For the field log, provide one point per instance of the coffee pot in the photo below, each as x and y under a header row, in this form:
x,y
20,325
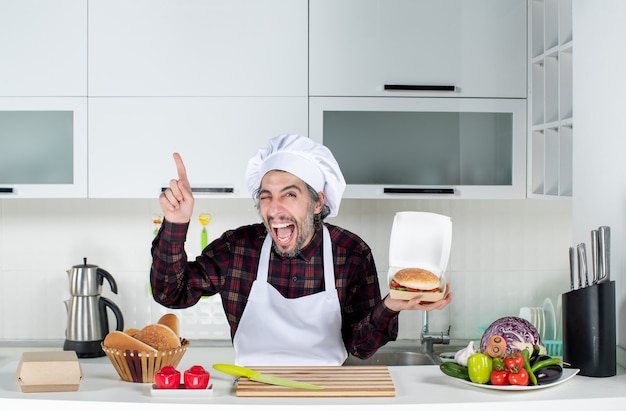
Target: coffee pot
x,y
87,319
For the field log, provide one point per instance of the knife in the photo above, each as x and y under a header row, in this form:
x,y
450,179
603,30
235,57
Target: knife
x,y
595,257
253,375
572,265
582,265
604,242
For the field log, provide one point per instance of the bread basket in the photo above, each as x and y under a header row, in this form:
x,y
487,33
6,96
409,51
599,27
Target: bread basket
x,y
140,366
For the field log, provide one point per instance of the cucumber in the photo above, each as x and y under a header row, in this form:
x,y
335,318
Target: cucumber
x,y
455,370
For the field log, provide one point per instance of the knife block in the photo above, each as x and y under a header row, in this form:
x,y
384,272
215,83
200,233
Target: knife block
x,y
589,335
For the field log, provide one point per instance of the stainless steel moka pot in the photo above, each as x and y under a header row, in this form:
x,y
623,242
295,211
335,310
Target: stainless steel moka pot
x,y
87,320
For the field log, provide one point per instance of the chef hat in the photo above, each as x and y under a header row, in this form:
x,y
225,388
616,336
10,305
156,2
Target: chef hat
x,y
308,160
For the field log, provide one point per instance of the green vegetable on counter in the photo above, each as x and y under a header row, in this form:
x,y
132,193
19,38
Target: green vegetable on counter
x,y
531,374
455,370
479,367
545,363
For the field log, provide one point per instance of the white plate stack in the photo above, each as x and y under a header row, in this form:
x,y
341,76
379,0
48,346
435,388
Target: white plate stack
x,y
536,317
545,320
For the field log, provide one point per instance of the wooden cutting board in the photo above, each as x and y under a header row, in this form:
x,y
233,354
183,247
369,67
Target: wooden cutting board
x,y
340,381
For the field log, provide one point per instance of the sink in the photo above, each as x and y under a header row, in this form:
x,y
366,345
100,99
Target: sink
x,y
393,358
405,354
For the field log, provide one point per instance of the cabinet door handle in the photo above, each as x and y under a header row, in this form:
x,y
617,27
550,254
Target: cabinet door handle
x,y
208,190
420,87
396,190
6,190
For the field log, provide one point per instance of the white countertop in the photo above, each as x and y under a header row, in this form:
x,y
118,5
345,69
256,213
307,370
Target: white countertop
x,y
102,389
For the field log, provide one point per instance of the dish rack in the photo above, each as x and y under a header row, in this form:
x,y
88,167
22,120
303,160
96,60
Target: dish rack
x,y
554,348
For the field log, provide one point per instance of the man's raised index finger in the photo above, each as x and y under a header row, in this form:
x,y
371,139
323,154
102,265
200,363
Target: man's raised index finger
x,y
180,167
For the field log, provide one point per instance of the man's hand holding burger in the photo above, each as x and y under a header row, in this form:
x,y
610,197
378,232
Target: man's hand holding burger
x,y
418,281
417,303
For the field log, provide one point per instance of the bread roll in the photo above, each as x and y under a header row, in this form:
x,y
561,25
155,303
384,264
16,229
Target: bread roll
x,y
122,341
158,336
417,278
131,331
171,320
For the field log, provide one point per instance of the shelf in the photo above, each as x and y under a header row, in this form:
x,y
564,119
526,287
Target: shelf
x,y
537,29
565,21
565,84
537,93
566,161
551,103
551,87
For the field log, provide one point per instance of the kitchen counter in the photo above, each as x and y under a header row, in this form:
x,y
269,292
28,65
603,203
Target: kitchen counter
x,y
102,389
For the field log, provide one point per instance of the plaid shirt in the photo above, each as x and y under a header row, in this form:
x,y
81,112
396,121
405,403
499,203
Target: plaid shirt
x,y
228,266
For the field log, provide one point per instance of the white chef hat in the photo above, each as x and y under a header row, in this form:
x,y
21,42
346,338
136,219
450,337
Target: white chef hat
x,y
308,160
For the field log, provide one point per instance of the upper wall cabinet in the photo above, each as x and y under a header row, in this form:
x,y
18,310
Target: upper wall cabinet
x,y
436,48
198,48
462,148
131,141
43,48
43,147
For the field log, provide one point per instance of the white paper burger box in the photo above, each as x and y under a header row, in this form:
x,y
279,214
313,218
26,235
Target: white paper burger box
x,y
49,371
420,240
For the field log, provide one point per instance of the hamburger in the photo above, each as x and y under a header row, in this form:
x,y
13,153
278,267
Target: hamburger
x,y
415,280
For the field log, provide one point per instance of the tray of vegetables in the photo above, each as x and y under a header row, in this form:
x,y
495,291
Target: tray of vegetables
x,y
511,357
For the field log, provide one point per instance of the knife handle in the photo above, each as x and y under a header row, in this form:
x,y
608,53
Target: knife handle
x,y
236,370
582,263
604,240
595,257
572,267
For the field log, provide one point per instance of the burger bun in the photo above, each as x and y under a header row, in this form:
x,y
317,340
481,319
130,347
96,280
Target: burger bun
x,y
416,282
417,278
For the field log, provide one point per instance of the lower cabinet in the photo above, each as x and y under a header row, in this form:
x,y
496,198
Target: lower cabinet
x,y
131,141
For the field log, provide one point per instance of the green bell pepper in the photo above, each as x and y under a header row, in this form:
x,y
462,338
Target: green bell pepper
x,y
479,366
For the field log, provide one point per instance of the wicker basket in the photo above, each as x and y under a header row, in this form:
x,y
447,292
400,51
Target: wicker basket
x,y
140,366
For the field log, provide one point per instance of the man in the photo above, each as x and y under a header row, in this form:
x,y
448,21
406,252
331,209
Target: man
x,y
296,290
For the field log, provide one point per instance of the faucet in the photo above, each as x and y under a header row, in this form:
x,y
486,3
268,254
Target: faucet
x,y
428,339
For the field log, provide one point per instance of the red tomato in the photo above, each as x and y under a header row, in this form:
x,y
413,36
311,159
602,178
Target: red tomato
x,y
499,377
167,378
514,362
196,377
519,378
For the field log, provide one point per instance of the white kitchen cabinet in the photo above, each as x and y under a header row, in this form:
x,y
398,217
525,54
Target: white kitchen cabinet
x,y
43,147
131,141
478,48
43,47
550,97
198,48
408,148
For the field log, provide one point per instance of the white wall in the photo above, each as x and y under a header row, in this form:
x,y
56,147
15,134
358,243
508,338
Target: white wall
x,y
600,135
505,254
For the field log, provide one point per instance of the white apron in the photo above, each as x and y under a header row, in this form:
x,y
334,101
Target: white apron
x,y
275,330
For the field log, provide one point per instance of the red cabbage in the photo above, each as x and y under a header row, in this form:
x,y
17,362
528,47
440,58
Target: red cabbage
x,y
512,329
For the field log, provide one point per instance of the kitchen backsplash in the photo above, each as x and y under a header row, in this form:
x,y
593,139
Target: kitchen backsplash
x,y
505,254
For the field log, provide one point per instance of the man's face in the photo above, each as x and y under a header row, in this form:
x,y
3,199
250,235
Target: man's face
x,y
287,211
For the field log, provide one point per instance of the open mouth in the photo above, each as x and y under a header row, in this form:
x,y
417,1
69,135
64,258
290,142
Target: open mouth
x,y
283,232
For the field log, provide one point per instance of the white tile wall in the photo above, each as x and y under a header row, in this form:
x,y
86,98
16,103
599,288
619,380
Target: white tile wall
x,y
505,254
